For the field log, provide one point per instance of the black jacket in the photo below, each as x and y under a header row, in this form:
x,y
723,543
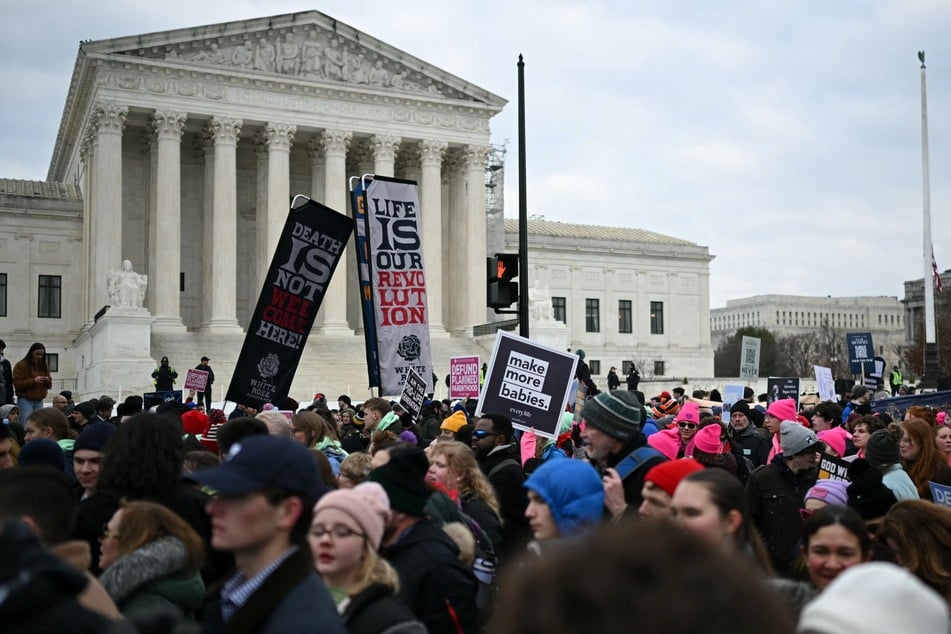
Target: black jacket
x,y
613,381
211,373
433,582
752,443
775,496
508,483
376,609
6,396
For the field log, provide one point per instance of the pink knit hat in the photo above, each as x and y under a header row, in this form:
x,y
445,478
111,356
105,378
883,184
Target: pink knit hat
x,y
783,409
835,439
363,508
666,441
708,439
690,413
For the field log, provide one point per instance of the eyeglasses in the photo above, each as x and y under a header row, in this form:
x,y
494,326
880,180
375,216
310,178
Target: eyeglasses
x,y
336,532
479,434
685,425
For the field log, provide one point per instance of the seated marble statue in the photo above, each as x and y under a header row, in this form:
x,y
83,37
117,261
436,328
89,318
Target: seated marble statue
x,y
126,287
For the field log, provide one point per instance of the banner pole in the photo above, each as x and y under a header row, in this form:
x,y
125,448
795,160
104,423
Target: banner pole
x,y
522,208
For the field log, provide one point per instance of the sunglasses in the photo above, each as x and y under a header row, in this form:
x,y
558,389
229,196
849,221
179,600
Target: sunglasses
x,y
686,425
479,434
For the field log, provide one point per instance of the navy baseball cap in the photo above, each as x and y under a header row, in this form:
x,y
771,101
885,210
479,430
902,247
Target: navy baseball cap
x,y
257,462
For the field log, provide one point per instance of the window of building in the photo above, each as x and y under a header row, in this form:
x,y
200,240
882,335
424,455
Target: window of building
x,y
558,309
50,296
595,366
658,368
52,361
3,294
624,316
625,367
592,315
657,318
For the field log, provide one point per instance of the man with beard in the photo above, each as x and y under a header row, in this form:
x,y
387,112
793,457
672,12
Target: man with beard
x,y
500,460
617,447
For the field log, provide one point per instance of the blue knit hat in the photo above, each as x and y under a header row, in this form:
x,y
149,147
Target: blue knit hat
x,y
574,494
42,451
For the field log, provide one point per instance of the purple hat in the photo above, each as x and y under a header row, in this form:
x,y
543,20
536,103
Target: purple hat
x,y
832,492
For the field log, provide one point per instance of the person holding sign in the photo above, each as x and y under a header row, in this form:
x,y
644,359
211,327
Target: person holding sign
x,y
204,398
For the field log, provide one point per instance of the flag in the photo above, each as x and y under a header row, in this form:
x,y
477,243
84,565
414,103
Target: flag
x,y
934,270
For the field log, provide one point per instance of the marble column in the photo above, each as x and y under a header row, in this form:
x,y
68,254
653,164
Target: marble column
x,y
106,206
85,155
318,167
457,239
384,154
430,202
260,210
278,138
475,311
151,219
207,225
224,226
164,278
332,316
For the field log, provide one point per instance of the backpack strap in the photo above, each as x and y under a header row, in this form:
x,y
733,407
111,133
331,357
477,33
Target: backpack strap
x,y
505,463
642,455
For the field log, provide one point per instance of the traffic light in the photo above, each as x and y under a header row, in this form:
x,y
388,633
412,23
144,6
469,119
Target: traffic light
x,y
502,287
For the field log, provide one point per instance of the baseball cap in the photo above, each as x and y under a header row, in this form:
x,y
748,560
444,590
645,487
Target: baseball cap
x,y
257,462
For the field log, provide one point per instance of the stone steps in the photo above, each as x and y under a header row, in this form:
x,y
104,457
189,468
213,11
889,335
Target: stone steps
x,y
332,364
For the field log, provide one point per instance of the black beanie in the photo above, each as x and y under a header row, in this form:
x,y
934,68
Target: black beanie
x,y
882,448
404,480
742,407
867,494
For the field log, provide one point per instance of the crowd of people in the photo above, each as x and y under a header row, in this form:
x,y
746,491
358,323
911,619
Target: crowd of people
x,y
669,514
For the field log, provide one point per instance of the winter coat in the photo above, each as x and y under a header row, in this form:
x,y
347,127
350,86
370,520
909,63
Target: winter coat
x,y
752,443
775,496
24,383
433,582
164,376
292,599
634,482
376,610
6,393
487,519
76,553
153,578
507,481
897,479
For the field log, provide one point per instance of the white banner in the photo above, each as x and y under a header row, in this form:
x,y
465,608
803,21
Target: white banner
x,y
825,382
399,283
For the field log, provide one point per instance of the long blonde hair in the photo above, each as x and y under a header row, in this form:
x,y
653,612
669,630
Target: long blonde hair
x,y
373,569
462,462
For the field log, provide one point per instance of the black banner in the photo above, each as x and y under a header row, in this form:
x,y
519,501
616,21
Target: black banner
x,y
305,259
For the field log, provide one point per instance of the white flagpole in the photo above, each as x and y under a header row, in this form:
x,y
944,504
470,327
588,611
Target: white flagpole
x,y
930,349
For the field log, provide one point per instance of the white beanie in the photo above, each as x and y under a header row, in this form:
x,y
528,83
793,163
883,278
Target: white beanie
x,y
875,598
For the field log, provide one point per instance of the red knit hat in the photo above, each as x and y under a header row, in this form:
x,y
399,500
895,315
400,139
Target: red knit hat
x,y
195,422
668,475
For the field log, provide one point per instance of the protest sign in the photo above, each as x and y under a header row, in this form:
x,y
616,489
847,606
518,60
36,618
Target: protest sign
x,y
861,352
731,394
151,399
940,493
832,468
825,382
464,377
749,358
778,387
528,383
196,380
413,394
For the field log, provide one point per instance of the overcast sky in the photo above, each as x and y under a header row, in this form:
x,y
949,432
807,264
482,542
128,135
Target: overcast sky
x,y
785,135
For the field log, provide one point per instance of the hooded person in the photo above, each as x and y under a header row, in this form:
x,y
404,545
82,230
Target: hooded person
x,y
615,445
565,500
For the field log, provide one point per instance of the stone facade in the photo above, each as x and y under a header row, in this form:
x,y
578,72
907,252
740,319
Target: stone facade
x,y
785,315
183,149
617,277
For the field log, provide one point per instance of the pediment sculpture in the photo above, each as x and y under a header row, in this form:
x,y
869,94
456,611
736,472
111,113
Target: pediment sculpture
x,y
315,54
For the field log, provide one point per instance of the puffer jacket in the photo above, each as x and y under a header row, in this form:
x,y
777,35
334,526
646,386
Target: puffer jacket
x,y
152,578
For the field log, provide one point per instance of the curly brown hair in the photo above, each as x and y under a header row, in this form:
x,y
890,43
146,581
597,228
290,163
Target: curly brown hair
x,y
918,532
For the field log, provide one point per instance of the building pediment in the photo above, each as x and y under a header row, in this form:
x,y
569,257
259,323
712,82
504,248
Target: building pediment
x,y
307,46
